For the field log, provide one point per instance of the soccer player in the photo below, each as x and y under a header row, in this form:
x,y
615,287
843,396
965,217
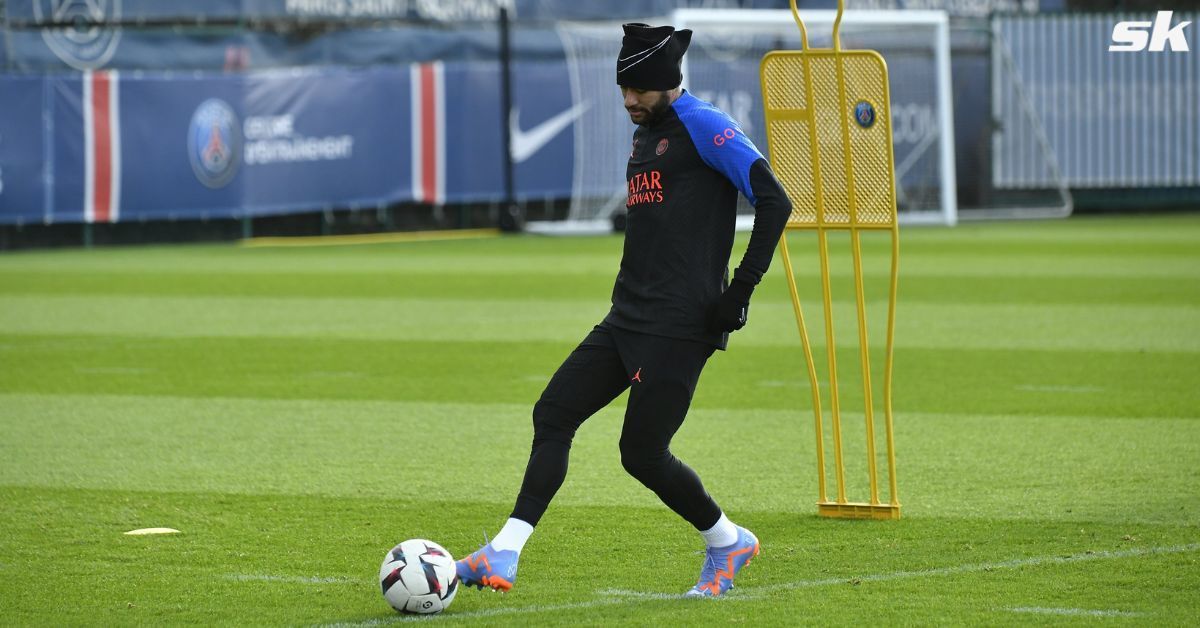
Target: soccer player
x,y
672,306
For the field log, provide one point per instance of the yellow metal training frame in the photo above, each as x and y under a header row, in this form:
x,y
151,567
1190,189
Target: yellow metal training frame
x,y
829,136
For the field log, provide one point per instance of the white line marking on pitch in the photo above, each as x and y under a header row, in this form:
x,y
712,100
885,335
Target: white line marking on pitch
x,y
242,577
1062,389
335,374
110,370
619,596
1072,611
490,612
946,571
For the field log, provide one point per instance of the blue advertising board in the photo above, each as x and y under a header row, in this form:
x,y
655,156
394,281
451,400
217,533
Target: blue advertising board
x,y
117,146
23,154
120,146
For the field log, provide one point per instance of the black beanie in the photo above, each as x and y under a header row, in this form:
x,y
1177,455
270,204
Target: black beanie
x,y
650,57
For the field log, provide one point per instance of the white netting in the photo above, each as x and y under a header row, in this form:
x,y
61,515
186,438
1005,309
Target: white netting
x,y
603,133
721,66
1026,180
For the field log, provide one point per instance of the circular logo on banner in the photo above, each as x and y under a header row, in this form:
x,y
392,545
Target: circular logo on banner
x,y
214,143
79,36
864,114
662,147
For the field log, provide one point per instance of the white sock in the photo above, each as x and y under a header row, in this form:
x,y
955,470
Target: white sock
x,y
723,534
512,536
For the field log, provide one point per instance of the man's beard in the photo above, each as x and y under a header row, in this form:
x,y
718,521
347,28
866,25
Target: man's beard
x,y
656,111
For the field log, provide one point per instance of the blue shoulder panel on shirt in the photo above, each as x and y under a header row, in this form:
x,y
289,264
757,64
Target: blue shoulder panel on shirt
x,y
719,140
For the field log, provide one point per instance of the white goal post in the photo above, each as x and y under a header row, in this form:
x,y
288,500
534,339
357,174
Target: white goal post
x,y
722,66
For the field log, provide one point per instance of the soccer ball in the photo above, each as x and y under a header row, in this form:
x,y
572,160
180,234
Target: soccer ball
x,y
418,576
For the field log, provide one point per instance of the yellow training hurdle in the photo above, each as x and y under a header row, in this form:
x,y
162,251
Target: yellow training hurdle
x,y
829,137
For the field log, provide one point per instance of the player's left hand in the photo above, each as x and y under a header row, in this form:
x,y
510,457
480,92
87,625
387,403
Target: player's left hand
x,y
732,308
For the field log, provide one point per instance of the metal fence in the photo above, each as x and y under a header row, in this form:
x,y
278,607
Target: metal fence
x,y
1113,119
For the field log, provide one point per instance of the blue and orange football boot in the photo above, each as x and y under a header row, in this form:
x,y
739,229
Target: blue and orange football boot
x,y
489,568
721,564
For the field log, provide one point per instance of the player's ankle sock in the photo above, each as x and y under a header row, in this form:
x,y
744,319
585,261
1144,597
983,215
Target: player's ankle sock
x,y
514,534
723,534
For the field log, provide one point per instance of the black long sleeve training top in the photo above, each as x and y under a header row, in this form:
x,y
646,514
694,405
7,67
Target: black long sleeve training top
x,y
684,175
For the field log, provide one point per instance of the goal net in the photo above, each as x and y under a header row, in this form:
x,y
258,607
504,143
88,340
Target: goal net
x,y
1025,180
721,66
603,132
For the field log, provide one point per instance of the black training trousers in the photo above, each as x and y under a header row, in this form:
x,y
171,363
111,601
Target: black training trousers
x,y
661,374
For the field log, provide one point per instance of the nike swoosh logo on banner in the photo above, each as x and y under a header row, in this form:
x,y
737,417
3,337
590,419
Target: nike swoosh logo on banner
x,y
526,143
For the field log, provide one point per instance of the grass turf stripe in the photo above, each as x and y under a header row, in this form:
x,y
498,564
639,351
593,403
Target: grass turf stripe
x,y
370,238
950,326
608,597
1000,381
1072,612
950,465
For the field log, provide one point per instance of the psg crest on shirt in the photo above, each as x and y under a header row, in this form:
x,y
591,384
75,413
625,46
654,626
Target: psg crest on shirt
x,y
214,143
864,114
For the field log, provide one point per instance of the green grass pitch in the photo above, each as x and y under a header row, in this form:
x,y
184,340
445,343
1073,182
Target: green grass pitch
x,y
297,411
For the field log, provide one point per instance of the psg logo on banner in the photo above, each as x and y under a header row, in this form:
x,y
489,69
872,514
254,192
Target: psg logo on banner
x,y
214,143
80,37
864,114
